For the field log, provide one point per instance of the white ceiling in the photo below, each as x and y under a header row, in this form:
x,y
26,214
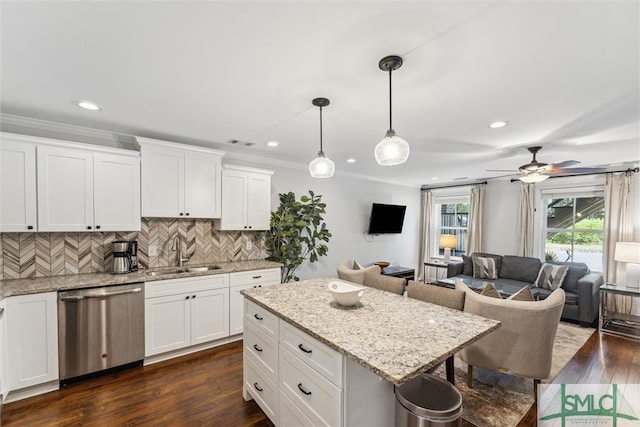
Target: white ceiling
x,y
565,74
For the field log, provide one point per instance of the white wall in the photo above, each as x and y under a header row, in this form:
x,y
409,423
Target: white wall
x,y
500,216
349,202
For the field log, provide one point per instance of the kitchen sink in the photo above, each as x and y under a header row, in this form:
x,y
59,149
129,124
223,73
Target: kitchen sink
x,y
168,270
178,270
203,268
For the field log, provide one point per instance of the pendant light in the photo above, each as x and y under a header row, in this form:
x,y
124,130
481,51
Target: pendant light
x,y
392,150
321,166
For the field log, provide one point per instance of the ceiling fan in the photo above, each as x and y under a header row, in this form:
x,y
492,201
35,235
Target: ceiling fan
x,y
536,171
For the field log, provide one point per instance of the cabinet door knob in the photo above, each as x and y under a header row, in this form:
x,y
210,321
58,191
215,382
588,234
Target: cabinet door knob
x,y
257,347
187,213
180,214
187,297
257,387
97,227
302,389
301,347
193,296
88,227
256,277
29,227
249,226
258,317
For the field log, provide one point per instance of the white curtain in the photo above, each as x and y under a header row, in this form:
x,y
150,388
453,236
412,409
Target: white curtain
x,y
618,227
524,244
474,227
425,230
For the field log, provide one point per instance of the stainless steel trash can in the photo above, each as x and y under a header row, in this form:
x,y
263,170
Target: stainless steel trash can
x,y
428,401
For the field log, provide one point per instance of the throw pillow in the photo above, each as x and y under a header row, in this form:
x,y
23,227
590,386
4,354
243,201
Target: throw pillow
x,y
523,294
484,268
490,291
467,265
551,276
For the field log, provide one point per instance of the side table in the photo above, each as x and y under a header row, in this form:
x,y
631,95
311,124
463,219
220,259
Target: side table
x,y
404,272
614,322
439,266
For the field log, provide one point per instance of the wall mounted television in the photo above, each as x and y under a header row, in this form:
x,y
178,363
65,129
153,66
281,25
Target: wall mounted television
x,y
386,219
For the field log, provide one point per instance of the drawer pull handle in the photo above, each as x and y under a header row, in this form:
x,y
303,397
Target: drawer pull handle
x,y
308,393
301,347
256,277
258,317
257,387
257,347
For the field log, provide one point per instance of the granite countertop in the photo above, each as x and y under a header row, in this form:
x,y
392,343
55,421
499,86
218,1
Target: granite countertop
x,y
76,281
396,337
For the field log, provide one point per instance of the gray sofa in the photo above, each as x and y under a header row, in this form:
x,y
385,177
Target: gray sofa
x,y
581,287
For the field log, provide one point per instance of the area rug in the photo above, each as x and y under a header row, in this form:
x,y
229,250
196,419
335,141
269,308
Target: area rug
x,y
500,400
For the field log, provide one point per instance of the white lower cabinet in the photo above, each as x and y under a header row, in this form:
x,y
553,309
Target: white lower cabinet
x,y
184,312
316,385
31,344
246,280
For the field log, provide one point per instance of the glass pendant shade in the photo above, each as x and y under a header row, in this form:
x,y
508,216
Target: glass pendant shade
x,y
533,177
322,167
392,150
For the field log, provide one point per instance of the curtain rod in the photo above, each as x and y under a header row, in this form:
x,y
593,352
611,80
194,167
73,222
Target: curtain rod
x,y
425,187
634,170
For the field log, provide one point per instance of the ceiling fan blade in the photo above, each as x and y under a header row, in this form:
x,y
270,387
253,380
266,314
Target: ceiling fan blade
x,y
565,164
576,171
501,170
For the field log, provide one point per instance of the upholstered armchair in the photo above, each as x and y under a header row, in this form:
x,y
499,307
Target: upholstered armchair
x,y
523,345
374,278
351,271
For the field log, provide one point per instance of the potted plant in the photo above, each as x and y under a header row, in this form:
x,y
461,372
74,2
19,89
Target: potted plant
x,y
297,232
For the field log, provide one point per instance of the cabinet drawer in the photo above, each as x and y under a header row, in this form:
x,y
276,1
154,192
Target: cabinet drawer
x,y
267,276
262,389
312,393
262,350
290,414
188,284
319,356
262,318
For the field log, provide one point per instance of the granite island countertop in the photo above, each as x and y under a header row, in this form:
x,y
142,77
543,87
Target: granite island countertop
x,y
396,337
87,280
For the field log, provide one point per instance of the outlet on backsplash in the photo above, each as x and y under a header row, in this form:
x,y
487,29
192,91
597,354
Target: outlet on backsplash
x,y
153,250
248,245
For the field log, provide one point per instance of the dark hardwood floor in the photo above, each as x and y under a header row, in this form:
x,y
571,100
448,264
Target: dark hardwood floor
x,y
204,389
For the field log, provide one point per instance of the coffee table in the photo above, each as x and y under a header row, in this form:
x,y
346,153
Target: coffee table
x,y
479,284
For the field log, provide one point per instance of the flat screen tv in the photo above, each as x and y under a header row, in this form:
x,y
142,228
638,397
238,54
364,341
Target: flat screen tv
x,y
386,219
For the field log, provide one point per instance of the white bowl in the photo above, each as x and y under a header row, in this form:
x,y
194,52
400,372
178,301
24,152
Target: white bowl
x,y
345,294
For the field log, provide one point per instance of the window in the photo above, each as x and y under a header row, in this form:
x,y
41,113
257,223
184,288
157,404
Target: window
x,y
452,214
574,230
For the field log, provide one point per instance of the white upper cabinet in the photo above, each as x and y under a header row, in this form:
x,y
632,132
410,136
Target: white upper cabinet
x,y
17,184
246,198
179,180
86,189
53,185
116,192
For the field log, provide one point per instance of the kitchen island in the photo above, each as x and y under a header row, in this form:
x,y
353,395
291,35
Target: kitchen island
x,y
310,361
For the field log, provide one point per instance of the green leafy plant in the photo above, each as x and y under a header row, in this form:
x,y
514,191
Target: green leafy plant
x,y
550,256
297,232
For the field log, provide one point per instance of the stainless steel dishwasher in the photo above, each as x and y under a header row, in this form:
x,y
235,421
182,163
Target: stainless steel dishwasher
x,y
100,328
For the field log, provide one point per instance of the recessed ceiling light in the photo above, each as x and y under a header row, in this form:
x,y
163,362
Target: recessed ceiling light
x,y
499,124
88,105
434,178
273,143
351,160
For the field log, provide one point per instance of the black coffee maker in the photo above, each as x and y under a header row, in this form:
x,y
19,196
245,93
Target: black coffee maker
x,y
125,256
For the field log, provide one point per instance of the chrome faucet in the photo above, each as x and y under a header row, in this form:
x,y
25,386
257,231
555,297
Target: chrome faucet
x,y
177,246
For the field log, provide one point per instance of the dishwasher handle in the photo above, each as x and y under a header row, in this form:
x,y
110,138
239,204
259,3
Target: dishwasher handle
x,y
99,294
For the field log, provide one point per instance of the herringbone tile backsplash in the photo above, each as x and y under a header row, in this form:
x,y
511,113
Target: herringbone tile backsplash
x,y
27,255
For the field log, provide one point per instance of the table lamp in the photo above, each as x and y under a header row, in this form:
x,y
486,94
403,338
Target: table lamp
x,y
629,252
448,242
